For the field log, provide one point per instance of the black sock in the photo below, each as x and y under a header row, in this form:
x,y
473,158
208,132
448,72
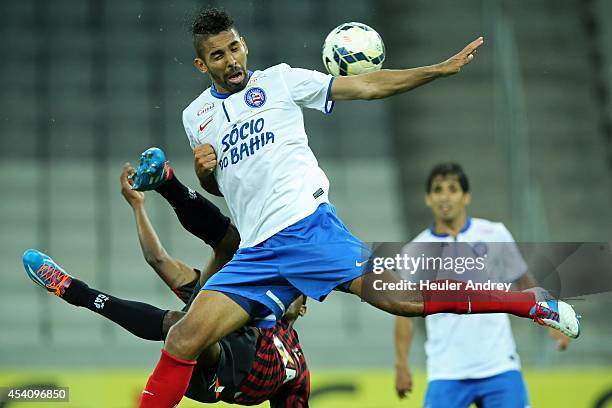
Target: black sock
x,y
196,214
140,319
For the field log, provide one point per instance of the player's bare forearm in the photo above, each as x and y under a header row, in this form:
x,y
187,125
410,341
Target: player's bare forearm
x,y
227,247
173,272
381,84
385,83
403,340
151,247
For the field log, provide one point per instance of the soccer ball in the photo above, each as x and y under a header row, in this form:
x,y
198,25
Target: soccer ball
x,y
353,49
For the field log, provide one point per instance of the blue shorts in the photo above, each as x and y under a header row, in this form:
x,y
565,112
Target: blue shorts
x,y
505,390
311,257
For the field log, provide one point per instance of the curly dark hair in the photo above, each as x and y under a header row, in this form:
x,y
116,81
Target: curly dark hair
x,y
209,21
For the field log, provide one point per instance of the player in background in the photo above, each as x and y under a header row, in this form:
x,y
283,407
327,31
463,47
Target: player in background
x,y
470,359
247,132
246,367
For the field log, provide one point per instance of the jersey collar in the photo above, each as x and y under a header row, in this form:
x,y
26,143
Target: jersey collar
x,y
466,226
223,95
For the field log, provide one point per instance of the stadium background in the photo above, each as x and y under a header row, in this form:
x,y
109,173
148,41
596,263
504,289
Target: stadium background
x,y
88,85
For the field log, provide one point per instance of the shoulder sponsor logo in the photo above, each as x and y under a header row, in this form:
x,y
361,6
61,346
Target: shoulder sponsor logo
x,y
254,79
206,108
255,97
204,124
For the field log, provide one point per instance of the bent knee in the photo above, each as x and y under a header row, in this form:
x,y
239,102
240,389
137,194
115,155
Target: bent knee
x,y
170,319
185,343
408,309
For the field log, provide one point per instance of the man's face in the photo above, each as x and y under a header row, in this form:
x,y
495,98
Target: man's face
x,y
224,58
447,199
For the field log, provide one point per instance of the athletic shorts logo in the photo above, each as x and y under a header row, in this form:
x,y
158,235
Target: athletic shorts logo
x,y
255,97
360,264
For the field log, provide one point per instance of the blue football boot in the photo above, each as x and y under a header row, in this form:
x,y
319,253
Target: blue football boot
x,y
45,272
152,171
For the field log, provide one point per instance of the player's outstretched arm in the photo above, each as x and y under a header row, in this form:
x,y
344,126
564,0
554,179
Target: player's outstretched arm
x,y
172,271
387,82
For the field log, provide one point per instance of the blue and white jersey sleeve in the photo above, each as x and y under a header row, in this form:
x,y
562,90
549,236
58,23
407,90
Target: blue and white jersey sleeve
x,y
192,140
308,88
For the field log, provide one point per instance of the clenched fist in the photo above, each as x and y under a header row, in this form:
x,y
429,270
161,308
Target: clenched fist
x,y
205,160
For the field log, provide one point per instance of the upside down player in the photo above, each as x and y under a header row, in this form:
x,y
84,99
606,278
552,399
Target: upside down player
x,y
247,132
246,367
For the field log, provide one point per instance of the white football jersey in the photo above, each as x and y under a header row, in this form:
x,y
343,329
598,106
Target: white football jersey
x,y
265,169
474,346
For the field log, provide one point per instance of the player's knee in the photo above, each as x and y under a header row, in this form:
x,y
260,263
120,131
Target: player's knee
x,y
184,342
170,319
408,309
399,307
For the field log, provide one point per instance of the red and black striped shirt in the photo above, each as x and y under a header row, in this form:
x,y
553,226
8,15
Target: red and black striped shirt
x,y
255,365
279,372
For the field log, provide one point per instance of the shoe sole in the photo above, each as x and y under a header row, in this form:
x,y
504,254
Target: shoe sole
x,y
152,181
567,314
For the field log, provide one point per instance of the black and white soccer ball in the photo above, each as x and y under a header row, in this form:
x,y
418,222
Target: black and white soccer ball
x,y
353,49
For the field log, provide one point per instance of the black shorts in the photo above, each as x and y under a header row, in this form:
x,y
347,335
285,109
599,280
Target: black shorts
x,y
220,381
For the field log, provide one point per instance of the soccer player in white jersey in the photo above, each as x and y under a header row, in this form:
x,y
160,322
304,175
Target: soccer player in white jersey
x,y
470,359
247,132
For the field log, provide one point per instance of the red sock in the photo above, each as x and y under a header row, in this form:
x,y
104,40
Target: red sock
x,y
470,301
168,383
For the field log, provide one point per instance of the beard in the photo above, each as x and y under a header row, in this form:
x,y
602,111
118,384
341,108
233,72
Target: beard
x,y
234,80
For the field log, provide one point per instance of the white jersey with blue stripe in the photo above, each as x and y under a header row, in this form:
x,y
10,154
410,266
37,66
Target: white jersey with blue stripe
x,y
265,169
474,346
